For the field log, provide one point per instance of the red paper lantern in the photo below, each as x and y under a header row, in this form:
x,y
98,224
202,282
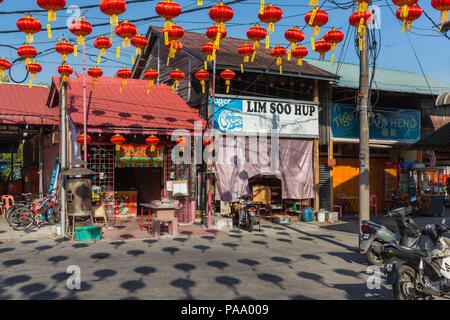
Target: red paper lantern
x,y
362,5
299,53
124,74
257,33
80,140
102,43
181,141
65,71
334,37
27,52
316,19
443,6
322,47
210,50
52,6
64,49
227,75
118,140
126,31
213,31
151,75
81,28
294,35
95,73
113,8
404,6
140,42
30,26
4,65
278,52
270,15
220,14
33,68
414,13
202,76
152,141
360,21
176,75
246,51
168,10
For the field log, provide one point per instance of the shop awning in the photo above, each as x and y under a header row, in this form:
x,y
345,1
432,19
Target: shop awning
x,y
108,109
438,140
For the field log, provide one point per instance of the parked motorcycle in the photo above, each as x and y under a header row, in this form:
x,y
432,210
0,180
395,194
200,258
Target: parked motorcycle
x,y
420,274
374,235
246,211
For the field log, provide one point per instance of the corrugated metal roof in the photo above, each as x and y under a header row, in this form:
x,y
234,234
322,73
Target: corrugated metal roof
x,y
228,56
133,108
21,104
438,140
385,79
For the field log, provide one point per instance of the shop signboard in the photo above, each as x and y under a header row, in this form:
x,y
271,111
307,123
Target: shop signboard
x,y
140,153
384,124
255,115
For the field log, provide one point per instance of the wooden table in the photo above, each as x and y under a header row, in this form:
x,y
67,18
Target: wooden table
x,y
159,214
347,202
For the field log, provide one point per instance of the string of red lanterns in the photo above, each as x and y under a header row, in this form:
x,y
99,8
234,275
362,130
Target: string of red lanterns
x,y
27,52
4,65
220,13
202,76
168,10
113,8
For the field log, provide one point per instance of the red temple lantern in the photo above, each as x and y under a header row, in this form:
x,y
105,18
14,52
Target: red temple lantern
x,y
362,5
278,52
80,140
64,49
270,15
113,8
65,71
227,75
174,47
124,74
404,6
322,47
175,32
117,140
181,141
126,31
316,19
202,76
33,68
246,51
299,53
294,35
140,42
213,31
52,6
360,20
210,50
27,52
168,10
176,75
4,65
257,33
220,14
81,28
443,6
151,75
414,13
102,43
334,37
152,141
30,26
95,73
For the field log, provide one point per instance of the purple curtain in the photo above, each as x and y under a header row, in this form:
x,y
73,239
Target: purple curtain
x,y
241,158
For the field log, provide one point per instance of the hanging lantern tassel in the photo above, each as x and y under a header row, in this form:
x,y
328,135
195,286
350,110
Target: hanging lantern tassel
x,y
64,57
270,27
99,59
313,45
227,83
124,83
261,8
299,62
94,82
118,145
49,31
242,68
202,82
176,83
267,42
118,52
150,84
444,15
333,46
404,12
51,16
199,2
138,51
313,3
80,40
361,28
362,7
126,43
256,45
206,65
253,56
75,51
360,44
404,26
316,31
112,33
30,38
289,55
332,59
132,60
166,38
313,16
217,41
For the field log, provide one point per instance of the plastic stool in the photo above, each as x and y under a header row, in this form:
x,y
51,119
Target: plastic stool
x,y
7,202
373,203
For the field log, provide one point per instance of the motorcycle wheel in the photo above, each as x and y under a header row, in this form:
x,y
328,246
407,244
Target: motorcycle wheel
x,y
250,225
373,257
404,287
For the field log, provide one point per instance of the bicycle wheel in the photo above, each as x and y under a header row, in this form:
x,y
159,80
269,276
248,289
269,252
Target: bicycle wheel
x,y
10,211
53,215
22,219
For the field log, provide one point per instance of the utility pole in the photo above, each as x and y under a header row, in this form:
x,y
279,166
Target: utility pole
x,y
84,106
363,103
63,158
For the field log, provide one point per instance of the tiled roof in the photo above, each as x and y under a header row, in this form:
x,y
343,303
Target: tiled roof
x,y
21,104
131,109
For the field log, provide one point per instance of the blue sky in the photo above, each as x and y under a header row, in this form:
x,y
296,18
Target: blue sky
x,y
396,51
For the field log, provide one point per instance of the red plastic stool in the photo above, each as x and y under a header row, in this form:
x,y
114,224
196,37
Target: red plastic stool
x,y
7,202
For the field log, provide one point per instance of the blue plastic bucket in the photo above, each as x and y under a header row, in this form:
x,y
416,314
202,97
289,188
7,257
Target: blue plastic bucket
x,y
307,215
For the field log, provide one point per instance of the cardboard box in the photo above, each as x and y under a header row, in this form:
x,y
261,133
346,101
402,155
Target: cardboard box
x,y
331,216
282,219
261,194
224,208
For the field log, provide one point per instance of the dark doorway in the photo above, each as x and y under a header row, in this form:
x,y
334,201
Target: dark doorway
x,y
146,181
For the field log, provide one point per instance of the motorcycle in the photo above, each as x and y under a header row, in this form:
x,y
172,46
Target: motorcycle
x,y
246,212
417,274
374,235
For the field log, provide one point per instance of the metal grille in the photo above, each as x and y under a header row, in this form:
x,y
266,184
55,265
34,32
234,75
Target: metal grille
x,y
324,187
101,161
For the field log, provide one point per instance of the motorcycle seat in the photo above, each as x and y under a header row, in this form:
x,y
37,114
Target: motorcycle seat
x,y
418,252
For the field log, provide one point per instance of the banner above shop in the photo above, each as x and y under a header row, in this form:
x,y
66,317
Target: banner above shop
x,y
254,115
140,153
401,125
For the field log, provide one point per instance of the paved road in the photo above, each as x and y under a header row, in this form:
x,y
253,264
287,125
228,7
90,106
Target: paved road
x,y
299,261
